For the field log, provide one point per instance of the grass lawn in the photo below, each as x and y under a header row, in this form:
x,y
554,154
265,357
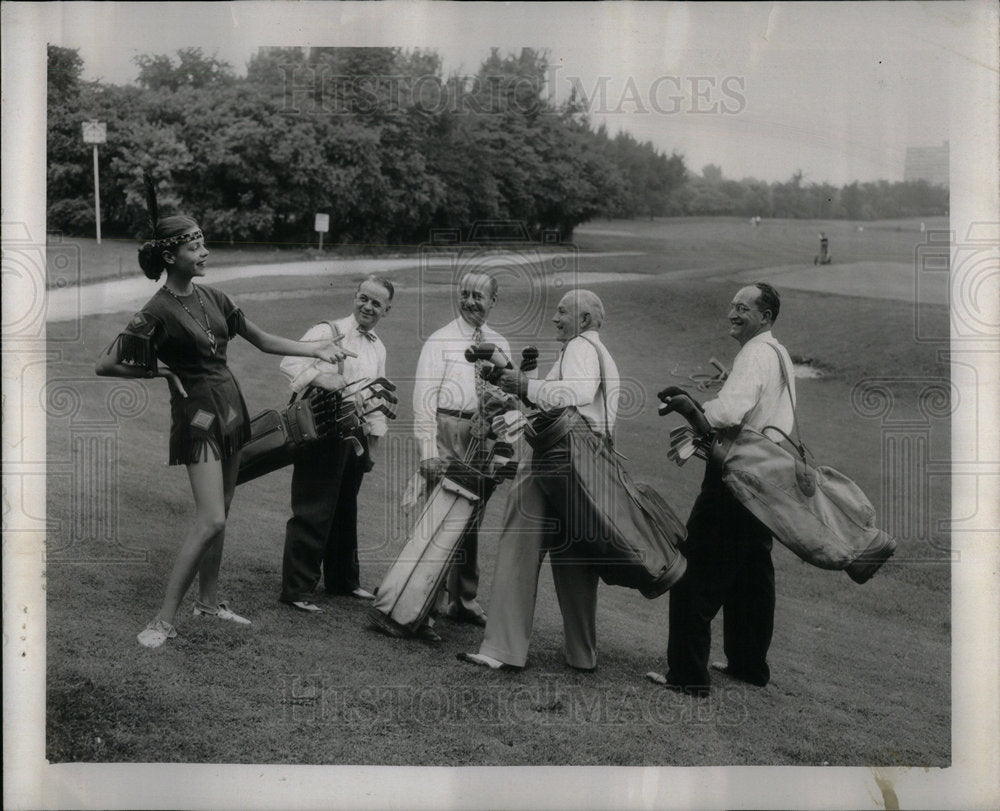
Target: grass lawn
x,y
861,674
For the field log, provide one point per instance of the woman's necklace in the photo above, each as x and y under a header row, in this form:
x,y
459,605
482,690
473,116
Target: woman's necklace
x,y
207,327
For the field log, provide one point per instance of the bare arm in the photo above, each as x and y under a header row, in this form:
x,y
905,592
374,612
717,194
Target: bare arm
x,y
276,345
109,366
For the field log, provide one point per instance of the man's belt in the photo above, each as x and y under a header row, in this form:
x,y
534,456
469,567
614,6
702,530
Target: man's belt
x,y
453,412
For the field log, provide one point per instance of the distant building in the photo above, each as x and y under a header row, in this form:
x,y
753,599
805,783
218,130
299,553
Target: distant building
x,y
928,163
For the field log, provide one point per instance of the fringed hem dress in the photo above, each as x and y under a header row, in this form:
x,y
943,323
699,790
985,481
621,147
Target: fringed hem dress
x,y
212,422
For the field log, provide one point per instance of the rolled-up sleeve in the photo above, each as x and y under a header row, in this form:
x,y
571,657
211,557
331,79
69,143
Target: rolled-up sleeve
x,y
580,379
740,393
302,371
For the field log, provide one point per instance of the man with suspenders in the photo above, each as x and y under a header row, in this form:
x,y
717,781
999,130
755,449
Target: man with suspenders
x,y
322,532
544,512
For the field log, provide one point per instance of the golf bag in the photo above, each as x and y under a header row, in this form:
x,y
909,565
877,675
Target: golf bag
x,y
634,534
817,512
276,436
406,594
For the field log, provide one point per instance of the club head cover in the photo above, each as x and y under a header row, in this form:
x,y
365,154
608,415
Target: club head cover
x,y
670,391
529,359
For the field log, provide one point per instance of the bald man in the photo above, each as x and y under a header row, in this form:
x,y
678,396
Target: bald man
x,y
544,511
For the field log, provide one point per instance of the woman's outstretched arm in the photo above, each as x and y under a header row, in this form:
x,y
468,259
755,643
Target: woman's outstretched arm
x,y
328,350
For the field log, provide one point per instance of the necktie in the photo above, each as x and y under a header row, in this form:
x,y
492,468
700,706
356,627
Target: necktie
x,y
479,426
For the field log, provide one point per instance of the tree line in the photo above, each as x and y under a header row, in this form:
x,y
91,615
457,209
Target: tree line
x,y
386,144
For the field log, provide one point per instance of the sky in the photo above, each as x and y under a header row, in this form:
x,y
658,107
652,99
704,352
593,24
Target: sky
x,y
835,90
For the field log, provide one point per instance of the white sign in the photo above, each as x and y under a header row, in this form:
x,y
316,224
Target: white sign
x,y
95,132
322,223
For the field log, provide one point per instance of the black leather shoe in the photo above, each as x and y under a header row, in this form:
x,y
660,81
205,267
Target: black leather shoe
x,y
722,667
471,618
385,624
428,634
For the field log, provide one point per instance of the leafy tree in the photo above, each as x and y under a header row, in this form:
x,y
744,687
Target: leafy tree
x,y
192,69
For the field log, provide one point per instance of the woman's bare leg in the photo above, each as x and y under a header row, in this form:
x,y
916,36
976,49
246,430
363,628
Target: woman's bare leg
x,y
207,484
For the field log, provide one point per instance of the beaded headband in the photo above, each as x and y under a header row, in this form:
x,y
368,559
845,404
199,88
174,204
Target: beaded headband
x,y
180,239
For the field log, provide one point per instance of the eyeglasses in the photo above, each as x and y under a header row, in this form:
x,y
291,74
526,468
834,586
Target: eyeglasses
x,y
742,309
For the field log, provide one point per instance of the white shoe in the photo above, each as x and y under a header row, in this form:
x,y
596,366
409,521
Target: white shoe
x,y
362,594
156,633
304,605
482,660
222,612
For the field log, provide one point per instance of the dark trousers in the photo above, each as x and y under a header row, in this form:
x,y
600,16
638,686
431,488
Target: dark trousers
x,y
729,567
323,529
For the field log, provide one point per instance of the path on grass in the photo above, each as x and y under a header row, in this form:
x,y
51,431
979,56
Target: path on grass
x,y
126,295
880,280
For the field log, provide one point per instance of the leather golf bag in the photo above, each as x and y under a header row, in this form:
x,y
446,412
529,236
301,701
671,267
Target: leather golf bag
x,y
406,594
632,534
276,436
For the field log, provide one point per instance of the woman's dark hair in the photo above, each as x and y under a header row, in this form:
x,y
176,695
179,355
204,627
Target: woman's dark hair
x,y
167,234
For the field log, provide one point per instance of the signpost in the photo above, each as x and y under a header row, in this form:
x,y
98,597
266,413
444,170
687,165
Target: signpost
x,y
96,132
322,226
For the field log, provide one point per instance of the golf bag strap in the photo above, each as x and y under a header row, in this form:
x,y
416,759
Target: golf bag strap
x,y
604,389
725,437
798,444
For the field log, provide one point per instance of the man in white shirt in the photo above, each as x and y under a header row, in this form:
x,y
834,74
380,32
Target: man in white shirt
x,y
728,550
544,513
447,404
322,531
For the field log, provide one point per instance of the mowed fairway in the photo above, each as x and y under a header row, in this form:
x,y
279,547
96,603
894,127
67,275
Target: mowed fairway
x,y
861,673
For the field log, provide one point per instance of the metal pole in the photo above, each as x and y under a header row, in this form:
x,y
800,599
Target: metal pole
x,y
97,196
321,240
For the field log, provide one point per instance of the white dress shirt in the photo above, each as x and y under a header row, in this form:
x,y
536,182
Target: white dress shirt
x,y
445,379
575,380
755,388
368,365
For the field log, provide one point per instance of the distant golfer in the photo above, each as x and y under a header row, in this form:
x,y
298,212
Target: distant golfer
x,y
824,257
728,550
323,529
181,334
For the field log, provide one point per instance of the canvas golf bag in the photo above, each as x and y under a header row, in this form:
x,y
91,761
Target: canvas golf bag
x,y
407,592
817,512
